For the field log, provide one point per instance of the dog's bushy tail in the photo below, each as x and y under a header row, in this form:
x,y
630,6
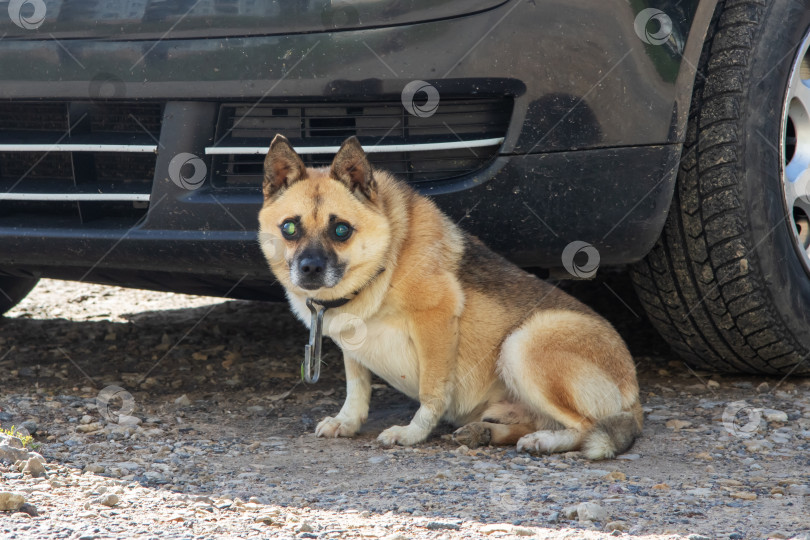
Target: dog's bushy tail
x,y
614,434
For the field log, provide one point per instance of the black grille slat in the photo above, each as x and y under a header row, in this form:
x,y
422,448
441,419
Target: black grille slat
x,y
127,118
125,168
78,172
244,170
16,166
36,116
383,123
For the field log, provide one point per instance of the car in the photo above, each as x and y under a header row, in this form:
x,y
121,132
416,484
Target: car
x,y
669,136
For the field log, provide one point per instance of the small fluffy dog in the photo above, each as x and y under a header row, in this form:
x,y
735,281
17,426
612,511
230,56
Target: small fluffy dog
x,y
476,340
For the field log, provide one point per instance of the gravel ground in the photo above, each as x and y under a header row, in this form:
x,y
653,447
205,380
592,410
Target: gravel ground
x,y
171,416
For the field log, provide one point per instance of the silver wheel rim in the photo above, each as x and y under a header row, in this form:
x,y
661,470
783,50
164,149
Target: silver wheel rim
x,y
795,146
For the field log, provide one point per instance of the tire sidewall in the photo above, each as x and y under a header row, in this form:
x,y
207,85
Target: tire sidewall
x,y
782,30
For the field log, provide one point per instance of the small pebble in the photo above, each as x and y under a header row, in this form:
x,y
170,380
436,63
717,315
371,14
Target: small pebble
x,y
11,501
616,526
34,467
107,500
678,425
30,426
772,415
442,525
89,428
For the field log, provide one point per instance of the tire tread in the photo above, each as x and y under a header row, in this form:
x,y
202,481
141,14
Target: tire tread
x,y
696,284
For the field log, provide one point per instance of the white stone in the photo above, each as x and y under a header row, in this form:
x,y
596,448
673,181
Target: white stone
x,y
34,467
772,415
590,511
11,502
798,490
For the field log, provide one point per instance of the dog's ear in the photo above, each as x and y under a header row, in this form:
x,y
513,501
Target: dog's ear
x,y
351,167
282,167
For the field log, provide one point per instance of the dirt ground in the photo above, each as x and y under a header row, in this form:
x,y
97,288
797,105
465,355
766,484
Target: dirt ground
x,y
171,416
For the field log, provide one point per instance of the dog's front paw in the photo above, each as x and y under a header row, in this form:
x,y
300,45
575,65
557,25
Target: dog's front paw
x,y
337,427
404,435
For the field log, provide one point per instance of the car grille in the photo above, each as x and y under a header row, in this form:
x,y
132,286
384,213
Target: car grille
x,y
462,136
82,160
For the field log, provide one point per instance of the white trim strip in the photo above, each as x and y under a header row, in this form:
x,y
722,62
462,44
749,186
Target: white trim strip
x,y
140,148
134,197
478,143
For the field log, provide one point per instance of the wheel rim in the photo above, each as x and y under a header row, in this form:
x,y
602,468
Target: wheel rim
x,y
795,146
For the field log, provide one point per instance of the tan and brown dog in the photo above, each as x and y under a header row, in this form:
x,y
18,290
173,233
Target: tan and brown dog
x,y
446,321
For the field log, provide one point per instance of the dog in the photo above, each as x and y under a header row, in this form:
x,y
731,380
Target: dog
x,y
476,340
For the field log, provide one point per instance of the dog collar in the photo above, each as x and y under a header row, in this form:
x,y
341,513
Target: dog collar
x,y
311,368
330,304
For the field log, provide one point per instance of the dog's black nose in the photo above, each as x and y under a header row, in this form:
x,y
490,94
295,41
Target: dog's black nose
x,y
312,265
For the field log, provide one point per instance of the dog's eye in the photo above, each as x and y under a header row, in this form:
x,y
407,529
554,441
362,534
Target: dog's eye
x,y
289,229
342,231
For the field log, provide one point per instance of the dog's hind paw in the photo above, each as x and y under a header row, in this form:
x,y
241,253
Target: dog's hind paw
x,y
473,435
335,427
547,442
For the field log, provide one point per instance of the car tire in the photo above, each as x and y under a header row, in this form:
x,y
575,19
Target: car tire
x,y
728,282
14,289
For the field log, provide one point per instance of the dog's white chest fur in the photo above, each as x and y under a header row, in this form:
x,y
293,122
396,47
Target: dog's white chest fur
x,y
388,352
378,343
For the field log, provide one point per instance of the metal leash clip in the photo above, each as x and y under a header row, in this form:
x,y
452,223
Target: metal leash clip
x,y
311,368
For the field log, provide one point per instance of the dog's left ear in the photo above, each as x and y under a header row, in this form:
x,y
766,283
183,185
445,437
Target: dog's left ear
x,y
282,167
351,167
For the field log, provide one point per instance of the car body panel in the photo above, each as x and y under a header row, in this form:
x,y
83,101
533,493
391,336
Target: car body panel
x,y
591,151
185,19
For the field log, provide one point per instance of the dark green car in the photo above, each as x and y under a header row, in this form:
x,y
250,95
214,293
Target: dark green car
x,y
673,136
